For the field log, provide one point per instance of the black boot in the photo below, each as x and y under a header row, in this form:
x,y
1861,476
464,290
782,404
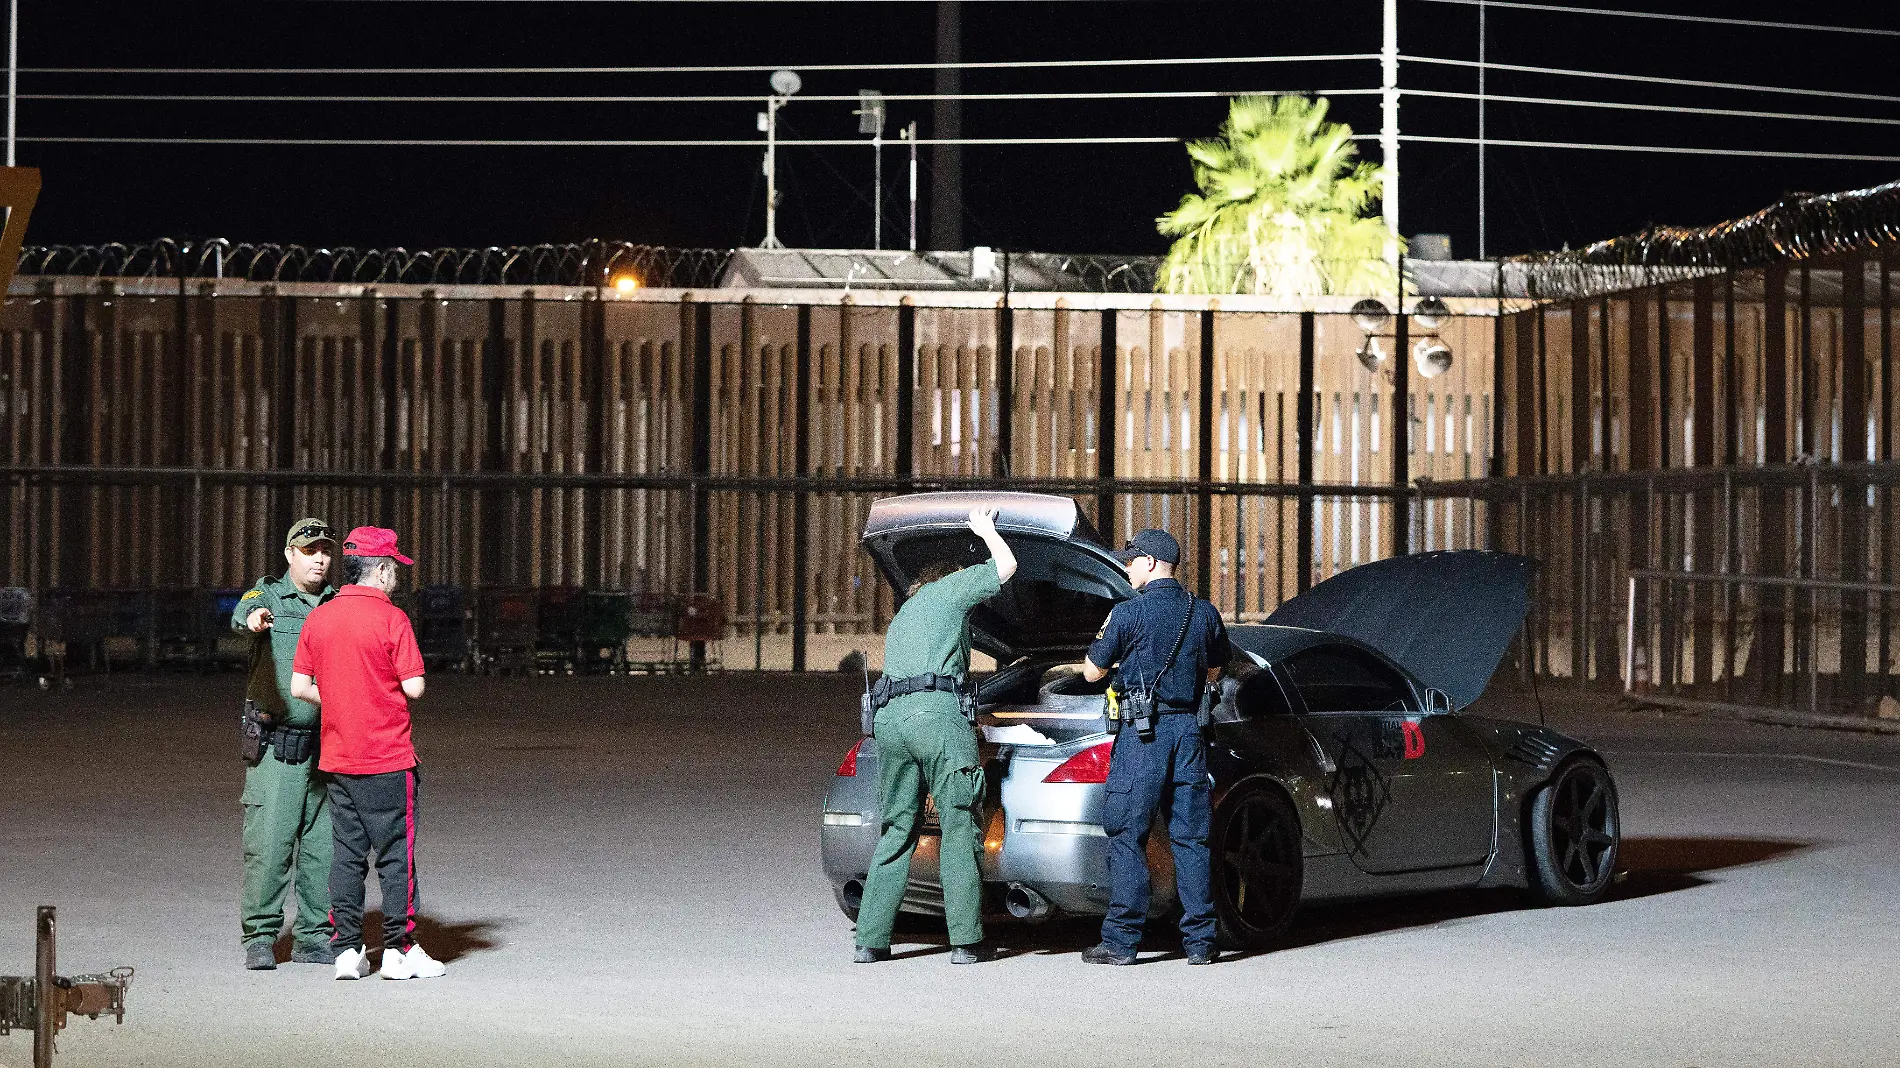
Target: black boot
x,y
975,953
260,956
1103,953
870,955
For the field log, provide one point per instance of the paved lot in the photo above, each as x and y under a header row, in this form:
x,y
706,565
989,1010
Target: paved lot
x,y
624,872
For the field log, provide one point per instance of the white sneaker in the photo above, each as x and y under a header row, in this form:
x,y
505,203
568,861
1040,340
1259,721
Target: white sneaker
x,y
415,964
352,964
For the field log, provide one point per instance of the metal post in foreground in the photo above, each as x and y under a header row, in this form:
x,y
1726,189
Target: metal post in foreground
x,y
13,72
42,1003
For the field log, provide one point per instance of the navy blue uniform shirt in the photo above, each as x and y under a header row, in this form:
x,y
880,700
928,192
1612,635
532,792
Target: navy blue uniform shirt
x,y
1140,631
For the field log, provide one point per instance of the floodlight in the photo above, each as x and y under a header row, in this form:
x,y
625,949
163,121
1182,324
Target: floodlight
x,y
1431,313
1370,316
870,111
1433,357
786,82
626,283
1370,354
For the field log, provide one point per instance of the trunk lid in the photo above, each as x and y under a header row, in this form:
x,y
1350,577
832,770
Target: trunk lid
x,y
1066,579
1447,617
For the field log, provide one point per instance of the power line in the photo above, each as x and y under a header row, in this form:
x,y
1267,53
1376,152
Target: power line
x,y
1709,19
754,98
603,143
1019,64
1652,79
1617,105
1670,149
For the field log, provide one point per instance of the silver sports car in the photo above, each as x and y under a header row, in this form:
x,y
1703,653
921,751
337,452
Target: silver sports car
x,y
1342,763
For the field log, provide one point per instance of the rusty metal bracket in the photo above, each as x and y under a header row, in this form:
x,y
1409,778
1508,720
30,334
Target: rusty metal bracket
x,y
41,1004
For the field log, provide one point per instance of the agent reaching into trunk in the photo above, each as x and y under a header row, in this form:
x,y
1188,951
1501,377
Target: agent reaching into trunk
x,y
925,741
358,659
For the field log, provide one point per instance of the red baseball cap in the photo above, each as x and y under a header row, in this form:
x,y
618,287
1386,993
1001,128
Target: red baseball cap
x,y
373,541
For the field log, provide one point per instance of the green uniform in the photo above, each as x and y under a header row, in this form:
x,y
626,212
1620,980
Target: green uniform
x,y
923,742
286,807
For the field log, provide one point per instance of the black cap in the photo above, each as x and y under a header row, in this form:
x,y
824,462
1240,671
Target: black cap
x,y
1156,543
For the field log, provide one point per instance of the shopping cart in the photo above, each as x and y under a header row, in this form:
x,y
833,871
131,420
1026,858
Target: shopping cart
x,y
224,647
650,625
558,624
442,626
606,624
72,626
506,626
16,618
180,629
702,618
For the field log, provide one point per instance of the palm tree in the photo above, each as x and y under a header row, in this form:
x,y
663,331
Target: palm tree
x,y
1284,208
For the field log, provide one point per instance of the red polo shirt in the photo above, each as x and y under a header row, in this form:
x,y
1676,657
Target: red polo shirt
x,y
359,648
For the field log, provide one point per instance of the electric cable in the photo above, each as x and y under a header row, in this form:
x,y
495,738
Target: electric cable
x,y
291,98
476,142
1739,113
750,68
1670,149
1708,19
1650,79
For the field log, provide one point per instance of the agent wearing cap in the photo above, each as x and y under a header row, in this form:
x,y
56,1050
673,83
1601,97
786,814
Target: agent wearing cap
x,y
286,808
1169,643
359,660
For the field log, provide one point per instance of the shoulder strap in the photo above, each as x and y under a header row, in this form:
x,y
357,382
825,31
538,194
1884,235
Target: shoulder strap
x,y
1178,639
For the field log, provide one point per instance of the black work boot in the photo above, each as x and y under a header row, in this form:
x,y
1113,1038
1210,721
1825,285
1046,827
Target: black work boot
x,y
1103,953
974,953
1207,955
260,956
871,954
320,953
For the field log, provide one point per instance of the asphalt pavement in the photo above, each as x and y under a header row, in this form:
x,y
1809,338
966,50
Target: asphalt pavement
x,y
625,872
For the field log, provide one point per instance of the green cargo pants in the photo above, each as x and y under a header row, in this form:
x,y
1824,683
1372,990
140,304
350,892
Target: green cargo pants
x,y
915,749
286,826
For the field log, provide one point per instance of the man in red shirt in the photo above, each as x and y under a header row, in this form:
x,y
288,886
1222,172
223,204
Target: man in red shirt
x,y
357,658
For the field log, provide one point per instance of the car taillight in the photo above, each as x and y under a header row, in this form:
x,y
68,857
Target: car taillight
x,y
1090,765
848,768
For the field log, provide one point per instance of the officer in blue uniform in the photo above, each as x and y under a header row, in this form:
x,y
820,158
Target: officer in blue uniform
x,y
1167,645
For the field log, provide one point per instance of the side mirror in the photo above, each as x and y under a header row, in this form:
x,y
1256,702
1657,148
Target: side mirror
x,y
1437,702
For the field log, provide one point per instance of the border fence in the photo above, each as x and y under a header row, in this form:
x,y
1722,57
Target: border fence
x,y
159,433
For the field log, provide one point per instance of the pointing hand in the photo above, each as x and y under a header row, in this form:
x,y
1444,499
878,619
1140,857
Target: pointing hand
x,y
260,620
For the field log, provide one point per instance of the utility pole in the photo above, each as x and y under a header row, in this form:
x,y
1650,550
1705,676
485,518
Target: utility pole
x,y
1481,187
946,160
909,133
13,71
871,120
1389,129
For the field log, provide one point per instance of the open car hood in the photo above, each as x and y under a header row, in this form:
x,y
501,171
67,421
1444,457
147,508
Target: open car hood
x,y
1066,580
1446,617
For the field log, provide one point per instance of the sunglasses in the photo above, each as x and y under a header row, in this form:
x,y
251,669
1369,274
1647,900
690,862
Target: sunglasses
x,y
313,530
314,548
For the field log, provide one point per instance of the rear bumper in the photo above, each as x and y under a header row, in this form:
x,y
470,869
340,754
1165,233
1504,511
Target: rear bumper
x,y
1066,862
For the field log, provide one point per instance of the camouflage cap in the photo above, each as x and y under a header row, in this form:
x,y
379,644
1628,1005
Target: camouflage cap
x,y
308,532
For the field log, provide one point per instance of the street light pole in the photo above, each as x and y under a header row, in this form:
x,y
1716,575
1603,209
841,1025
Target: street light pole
x,y
771,174
1389,129
910,134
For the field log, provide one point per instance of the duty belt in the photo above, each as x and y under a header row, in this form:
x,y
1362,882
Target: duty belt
x,y
292,745
886,689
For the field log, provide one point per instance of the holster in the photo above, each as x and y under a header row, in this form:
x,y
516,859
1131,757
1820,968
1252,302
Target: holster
x,y
251,734
1140,709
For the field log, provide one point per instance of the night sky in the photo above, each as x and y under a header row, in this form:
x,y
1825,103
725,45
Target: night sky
x,y
1068,198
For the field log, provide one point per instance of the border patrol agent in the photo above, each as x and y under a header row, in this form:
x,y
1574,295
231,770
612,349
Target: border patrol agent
x,y
1166,646
925,740
286,813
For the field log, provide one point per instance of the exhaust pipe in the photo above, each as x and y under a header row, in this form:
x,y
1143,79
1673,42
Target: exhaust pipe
x,y
1027,905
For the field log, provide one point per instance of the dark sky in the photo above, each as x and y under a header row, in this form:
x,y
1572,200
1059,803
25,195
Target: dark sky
x,y
1068,198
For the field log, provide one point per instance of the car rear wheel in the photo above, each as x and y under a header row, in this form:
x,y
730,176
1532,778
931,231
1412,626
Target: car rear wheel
x,y
1256,871
1575,832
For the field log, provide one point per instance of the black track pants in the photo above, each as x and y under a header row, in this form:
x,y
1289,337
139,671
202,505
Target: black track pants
x,y
374,813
